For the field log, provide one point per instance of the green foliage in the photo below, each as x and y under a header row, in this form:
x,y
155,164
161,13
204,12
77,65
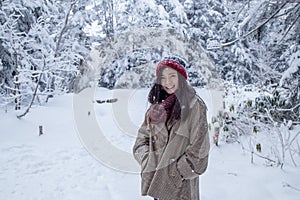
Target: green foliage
x,y
255,129
231,109
273,107
258,147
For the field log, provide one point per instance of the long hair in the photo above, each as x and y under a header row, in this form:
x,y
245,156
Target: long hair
x,y
184,94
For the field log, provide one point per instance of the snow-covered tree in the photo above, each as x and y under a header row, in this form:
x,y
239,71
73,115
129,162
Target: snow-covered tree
x,y
43,42
254,40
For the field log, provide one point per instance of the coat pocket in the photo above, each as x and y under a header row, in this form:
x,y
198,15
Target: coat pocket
x,y
174,173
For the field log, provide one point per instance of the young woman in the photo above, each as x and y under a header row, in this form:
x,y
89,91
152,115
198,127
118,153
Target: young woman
x,y
172,145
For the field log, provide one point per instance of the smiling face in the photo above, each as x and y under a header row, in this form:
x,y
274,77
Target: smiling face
x,y
169,80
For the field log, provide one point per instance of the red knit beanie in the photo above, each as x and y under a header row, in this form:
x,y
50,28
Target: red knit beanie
x,y
174,63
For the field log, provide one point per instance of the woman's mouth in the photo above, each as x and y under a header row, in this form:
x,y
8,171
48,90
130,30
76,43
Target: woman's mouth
x,y
169,88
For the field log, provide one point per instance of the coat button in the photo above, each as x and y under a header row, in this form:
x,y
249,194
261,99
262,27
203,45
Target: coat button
x,y
154,137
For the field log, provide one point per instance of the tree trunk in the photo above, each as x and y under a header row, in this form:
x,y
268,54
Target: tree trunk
x,y
17,84
34,94
58,44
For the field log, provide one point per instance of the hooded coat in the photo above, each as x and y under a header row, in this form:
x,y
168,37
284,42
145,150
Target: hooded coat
x,y
172,155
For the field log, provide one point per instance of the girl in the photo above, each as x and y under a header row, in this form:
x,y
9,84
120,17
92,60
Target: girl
x,y
172,144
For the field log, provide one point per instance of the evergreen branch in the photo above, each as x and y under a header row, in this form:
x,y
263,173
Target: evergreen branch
x,y
250,32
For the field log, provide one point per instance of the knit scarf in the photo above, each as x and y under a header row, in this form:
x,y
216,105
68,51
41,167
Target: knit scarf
x,y
160,112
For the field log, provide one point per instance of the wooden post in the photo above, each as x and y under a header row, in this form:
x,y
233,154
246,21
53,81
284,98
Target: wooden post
x,y
40,130
216,134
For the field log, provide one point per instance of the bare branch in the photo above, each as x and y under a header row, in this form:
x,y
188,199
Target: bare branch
x,y
294,138
292,187
252,152
63,29
290,109
34,94
287,12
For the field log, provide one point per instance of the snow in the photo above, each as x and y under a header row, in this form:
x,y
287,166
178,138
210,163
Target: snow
x,y
294,66
1,66
59,165
94,29
231,176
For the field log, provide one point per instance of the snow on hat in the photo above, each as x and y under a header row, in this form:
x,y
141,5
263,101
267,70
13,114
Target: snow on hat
x,y
173,62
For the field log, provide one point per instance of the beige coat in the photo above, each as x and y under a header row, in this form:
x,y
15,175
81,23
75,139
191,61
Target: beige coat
x,y
171,161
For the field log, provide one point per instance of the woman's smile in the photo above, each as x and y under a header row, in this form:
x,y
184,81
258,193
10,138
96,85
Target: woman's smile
x,y
169,80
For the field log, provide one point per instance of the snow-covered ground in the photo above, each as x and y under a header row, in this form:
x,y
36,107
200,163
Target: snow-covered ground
x,y
62,164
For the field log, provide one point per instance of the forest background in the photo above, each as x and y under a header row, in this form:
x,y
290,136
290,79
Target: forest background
x,y
44,45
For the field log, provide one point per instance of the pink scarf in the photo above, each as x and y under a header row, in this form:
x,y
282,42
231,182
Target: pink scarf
x,y
160,112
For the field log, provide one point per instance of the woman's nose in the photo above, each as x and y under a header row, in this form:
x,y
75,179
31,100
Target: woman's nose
x,y
168,81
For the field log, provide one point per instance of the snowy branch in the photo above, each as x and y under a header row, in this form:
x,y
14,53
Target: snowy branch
x,y
290,27
34,94
247,34
239,12
289,109
63,29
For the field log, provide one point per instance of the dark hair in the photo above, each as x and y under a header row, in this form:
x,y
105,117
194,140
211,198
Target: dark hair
x,y
184,94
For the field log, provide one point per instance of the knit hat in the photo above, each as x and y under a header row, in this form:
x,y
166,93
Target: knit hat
x,y
175,63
